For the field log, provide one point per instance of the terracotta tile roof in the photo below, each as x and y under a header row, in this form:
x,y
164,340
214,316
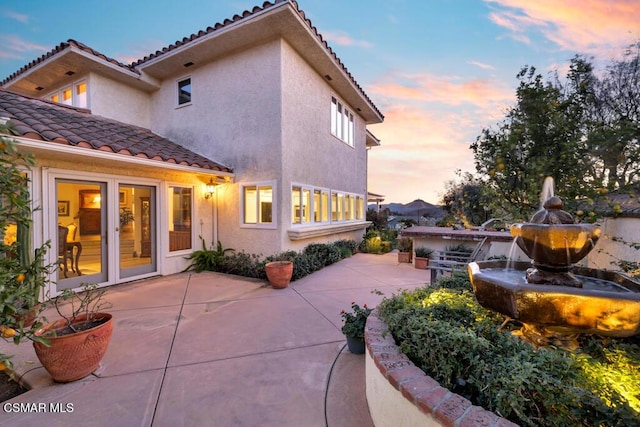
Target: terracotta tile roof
x,y
61,47
186,40
246,14
46,121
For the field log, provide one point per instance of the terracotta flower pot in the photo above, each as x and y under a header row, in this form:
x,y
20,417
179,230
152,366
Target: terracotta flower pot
x,y
279,273
404,257
27,315
75,355
421,263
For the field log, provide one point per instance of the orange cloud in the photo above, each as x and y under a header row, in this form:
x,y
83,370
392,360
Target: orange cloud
x,y
592,26
430,122
421,148
446,90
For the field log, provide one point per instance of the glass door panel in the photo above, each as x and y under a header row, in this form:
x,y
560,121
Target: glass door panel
x,y
80,239
137,230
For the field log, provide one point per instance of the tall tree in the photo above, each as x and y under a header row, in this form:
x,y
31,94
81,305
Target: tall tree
x,y
541,136
613,125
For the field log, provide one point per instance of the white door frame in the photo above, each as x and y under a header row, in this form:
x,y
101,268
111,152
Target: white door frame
x,y
49,224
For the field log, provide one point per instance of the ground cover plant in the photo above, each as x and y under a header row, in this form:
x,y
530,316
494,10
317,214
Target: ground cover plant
x,y
448,335
312,258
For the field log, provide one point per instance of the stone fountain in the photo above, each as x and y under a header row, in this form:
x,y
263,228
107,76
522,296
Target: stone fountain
x,y
553,299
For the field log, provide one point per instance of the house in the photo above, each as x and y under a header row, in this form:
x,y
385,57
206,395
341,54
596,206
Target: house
x,y
251,132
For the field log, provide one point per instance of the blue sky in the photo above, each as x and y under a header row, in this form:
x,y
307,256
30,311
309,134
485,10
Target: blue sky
x,y
440,70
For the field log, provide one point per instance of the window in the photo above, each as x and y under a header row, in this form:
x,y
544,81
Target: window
x,y
180,219
81,95
184,91
341,122
74,95
257,204
318,205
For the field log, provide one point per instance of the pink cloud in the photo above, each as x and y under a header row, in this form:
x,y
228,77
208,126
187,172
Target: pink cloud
x,y
430,122
343,39
13,47
579,25
446,90
20,17
422,148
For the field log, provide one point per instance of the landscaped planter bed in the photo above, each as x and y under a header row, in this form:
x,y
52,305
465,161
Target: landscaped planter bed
x,y
471,351
399,393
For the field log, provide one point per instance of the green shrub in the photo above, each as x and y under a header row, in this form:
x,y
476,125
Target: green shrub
x,y
422,252
312,258
372,245
456,281
448,335
404,244
459,247
207,259
347,245
243,264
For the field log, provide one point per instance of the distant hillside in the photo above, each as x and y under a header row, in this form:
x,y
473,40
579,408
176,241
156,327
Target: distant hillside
x,y
416,208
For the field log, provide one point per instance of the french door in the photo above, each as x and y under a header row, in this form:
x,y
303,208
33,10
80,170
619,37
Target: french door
x,y
103,230
137,236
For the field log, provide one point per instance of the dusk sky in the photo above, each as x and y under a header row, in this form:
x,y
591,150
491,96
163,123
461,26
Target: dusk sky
x,y
439,70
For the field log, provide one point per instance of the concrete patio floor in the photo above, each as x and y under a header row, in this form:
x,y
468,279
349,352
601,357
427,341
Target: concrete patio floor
x,y
210,349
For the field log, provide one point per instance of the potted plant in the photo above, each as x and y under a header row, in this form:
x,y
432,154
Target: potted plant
x,y
279,269
279,273
73,346
126,219
422,257
353,327
405,246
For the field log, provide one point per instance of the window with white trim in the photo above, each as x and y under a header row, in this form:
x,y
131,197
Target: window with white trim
x,y
311,205
74,95
341,122
180,218
184,91
257,204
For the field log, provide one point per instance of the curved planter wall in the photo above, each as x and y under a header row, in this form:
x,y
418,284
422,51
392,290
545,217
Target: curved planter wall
x,y
399,393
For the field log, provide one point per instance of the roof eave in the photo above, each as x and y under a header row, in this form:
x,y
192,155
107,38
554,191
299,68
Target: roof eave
x,y
71,153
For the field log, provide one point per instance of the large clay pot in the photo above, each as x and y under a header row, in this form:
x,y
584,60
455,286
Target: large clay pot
x,y
421,263
279,273
76,355
404,257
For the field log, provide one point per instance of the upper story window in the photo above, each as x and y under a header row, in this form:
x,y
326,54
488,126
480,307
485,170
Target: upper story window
x,y
257,205
184,91
341,122
74,95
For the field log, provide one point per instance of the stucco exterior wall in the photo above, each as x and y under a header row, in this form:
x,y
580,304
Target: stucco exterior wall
x,y
234,118
311,155
117,101
615,243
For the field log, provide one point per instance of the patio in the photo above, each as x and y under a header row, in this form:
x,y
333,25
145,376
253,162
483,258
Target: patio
x,y
208,348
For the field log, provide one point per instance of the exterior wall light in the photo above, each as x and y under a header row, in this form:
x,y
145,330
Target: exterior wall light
x,y
210,190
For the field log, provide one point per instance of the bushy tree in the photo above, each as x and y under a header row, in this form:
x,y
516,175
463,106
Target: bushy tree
x,y
465,200
583,131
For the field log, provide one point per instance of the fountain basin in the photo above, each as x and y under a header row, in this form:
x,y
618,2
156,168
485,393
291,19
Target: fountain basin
x,y
555,245
608,303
